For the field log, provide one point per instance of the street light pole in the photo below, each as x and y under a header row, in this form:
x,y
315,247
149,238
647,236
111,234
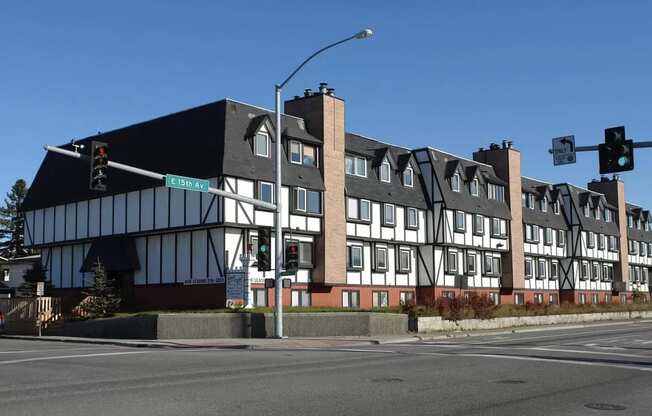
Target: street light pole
x,y
278,223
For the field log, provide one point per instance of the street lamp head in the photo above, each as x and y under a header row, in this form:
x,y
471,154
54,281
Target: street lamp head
x,y
367,33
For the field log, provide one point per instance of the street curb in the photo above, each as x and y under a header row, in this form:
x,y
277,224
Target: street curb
x,y
133,344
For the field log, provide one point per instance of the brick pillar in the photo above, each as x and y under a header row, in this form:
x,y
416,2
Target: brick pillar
x,y
324,118
506,162
614,192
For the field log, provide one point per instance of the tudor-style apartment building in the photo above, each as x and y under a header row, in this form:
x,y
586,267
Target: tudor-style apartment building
x,y
377,224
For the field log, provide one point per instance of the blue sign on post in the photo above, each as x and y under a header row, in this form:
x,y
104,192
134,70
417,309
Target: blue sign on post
x,y
188,184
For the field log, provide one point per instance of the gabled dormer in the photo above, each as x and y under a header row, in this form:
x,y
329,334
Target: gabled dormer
x,y
260,134
455,175
406,167
384,164
474,179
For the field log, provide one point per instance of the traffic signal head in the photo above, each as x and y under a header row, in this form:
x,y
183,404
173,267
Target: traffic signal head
x,y
99,166
617,153
264,254
292,256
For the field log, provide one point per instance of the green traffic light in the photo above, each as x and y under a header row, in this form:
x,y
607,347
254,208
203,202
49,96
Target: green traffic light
x,y
622,161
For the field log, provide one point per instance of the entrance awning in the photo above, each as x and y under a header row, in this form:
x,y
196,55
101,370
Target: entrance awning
x,y
116,253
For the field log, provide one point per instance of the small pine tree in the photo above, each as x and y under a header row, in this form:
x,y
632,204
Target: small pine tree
x,y
104,297
31,277
12,224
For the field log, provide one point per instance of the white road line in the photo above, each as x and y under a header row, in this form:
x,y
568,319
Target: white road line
x,y
64,357
547,360
550,348
589,352
517,339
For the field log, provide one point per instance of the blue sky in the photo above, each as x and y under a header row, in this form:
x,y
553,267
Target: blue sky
x,y
454,75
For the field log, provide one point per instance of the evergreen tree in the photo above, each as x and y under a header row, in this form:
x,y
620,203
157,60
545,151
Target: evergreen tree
x,y
12,224
31,277
104,296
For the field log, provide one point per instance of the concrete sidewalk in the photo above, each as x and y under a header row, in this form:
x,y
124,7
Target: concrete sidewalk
x,y
228,343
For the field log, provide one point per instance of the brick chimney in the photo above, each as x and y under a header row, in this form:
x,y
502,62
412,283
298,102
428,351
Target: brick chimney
x,y
614,191
323,114
507,164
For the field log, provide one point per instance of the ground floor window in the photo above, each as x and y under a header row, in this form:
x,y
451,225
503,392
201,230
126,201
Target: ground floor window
x,y
260,297
380,299
607,298
623,298
448,294
519,299
350,299
594,299
582,299
538,298
300,297
554,299
407,298
494,297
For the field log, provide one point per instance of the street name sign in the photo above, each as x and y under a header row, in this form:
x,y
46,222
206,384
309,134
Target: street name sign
x,y
185,183
563,150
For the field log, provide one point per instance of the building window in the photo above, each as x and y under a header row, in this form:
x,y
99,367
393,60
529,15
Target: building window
x,y
519,299
582,299
587,211
528,268
355,257
541,269
460,221
538,298
596,213
494,297
385,171
601,239
643,249
607,272
478,224
300,199
309,155
266,192
380,258
543,205
260,297
261,144
451,261
404,260
455,182
623,298
554,270
5,275
561,238
547,236
352,210
595,271
556,207
630,221
300,297
498,228
380,299
608,298
313,202
470,263
408,177
613,242
365,210
585,270
591,240
356,166
412,218
530,201
305,254
350,299
492,265
406,298
448,294
474,186
388,215
532,233
295,152
496,192
554,299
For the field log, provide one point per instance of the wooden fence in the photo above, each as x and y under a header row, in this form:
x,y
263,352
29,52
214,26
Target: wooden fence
x,y
23,314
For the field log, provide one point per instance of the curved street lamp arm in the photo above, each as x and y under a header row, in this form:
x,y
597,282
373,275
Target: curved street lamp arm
x,y
312,56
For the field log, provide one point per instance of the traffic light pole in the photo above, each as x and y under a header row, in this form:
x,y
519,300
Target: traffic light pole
x,y
596,147
161,177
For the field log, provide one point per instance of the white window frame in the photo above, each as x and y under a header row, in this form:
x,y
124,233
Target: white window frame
x,y
377,250
452,266
561,238
5,275
542,264
462,214
368,203
385,221
528,262
556,207
407,268
410,175
260,191
352,248
355,160
455,182
297,191
416,217
347,298
266,144
295,142
380,299
385,167
543,204
554,269
300,293
478,230
471,270
474,184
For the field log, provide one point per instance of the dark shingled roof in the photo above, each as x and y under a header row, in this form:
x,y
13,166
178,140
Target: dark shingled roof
x,y
643,215
371,187
580,197
463,200
203,142
536,216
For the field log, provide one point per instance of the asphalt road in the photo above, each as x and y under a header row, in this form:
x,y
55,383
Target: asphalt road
x,y
559,372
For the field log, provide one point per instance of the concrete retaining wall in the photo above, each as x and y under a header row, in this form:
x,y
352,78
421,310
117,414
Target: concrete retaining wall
x,y
237,325
436,323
